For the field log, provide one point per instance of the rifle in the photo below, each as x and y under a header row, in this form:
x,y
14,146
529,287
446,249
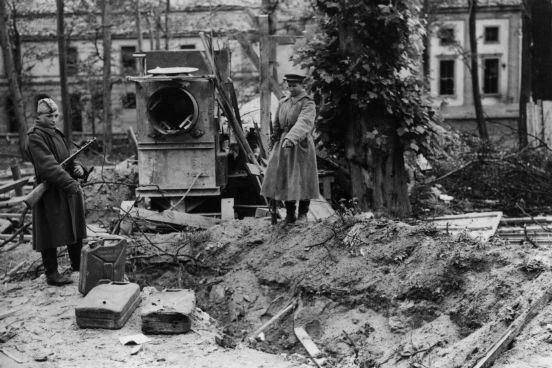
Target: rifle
x,y
34,196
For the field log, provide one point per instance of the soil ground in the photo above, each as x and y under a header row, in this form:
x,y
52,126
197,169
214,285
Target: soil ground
x,y
396,295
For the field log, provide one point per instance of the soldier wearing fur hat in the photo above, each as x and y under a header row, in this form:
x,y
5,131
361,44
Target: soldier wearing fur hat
x,y
292,174
58,217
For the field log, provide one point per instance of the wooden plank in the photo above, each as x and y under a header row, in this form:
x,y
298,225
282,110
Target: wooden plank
x,y
250,52
227,209
26,237
276,317
479,225
532,125
525,220
168,217
4,224
309,345
502,344
13,185
547,122
264,70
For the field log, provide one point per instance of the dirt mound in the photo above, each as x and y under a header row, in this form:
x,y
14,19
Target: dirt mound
x,y
399,294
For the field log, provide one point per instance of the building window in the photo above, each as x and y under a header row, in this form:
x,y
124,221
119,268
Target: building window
x,y
490,76
129,100
491,34
187,47
72,61
128,62
446,77
76,111
446,36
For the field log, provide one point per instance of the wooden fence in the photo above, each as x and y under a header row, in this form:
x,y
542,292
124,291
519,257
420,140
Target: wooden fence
x,y
539,122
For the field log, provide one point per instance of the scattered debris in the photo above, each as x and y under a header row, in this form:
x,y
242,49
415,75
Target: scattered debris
x,y
311,348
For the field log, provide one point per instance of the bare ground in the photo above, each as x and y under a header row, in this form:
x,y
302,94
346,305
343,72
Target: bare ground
x,y
398,295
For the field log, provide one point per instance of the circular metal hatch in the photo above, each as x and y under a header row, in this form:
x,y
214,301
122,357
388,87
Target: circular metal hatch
x,y
172,110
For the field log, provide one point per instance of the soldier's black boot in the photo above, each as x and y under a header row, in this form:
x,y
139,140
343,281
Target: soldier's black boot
x,y
53,277
290,213
74,251
303,210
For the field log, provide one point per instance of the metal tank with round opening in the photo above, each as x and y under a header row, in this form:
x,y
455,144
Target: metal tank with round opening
x,y
179,145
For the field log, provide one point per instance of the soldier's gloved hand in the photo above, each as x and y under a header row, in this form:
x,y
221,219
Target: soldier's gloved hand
x,y
287,143
78,171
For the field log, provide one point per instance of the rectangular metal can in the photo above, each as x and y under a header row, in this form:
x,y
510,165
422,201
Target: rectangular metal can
x,y
103,260
108,305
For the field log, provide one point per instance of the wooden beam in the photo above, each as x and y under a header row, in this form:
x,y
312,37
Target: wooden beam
x,y
13,185
264,87
250,52
502,344
167,217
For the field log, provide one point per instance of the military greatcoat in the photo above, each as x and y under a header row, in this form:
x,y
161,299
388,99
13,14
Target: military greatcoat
x,y
58,217
292,173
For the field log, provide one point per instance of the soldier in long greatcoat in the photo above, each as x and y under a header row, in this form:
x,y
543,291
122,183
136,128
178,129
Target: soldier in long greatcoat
x,y
292,174
58,217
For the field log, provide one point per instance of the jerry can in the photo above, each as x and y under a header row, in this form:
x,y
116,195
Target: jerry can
x,y
168,312
103,260
108,305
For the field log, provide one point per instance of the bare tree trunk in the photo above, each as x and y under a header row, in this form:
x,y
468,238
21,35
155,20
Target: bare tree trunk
x,y
526,74
149,20
481,125
62,51
138,24
167,31
106,26
16,44
157,24
11,74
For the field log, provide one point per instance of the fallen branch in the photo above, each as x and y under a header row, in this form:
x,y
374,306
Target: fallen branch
x,y
451,172
14,235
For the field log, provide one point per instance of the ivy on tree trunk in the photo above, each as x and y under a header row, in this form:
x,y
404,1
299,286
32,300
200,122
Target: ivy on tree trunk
x,y
364,58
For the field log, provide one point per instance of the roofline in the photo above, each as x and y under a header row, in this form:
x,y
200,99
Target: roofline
x,y
192,9
132,36
464,9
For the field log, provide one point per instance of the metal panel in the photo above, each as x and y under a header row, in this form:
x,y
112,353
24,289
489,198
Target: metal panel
x,y
176,169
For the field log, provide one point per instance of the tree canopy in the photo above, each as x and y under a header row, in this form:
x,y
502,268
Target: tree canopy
x,y
368,52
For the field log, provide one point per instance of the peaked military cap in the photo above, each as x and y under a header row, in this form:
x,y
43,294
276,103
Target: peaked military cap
x,y
294,78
